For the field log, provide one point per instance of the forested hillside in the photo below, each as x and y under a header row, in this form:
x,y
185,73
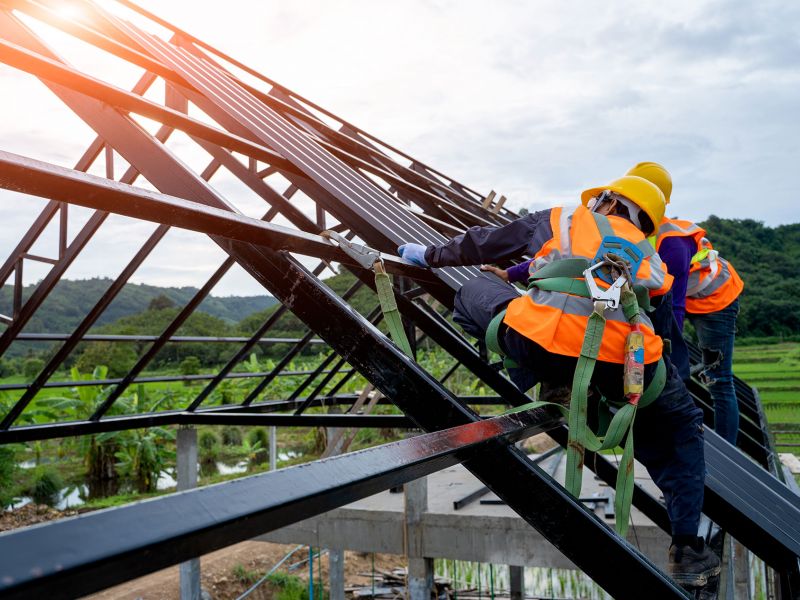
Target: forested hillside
x,y
72,299
768,260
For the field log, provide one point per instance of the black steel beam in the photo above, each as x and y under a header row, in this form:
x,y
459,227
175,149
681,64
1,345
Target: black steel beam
x,y
752,505
30,176
154,379
293,351
50,431
77,556
175,339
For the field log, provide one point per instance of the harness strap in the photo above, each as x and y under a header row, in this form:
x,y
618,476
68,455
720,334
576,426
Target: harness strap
x,y
391,314
492,339
603,225
578,287
566,276
565,267
620,426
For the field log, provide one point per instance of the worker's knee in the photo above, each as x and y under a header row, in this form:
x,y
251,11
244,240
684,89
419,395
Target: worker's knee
x,y
712,361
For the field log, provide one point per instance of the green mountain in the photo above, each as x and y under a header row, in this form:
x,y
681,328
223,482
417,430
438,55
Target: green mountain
x,y
69,302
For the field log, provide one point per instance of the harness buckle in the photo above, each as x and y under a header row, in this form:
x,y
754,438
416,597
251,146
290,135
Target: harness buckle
x,y
609,297
363,255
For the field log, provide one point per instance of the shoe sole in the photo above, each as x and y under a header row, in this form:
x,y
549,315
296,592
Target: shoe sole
x,y
695,580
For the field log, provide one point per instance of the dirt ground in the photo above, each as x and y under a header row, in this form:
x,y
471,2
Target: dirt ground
x,y
30,514
218,576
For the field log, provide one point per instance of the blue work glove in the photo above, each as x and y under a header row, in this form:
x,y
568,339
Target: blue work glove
x,y
413,253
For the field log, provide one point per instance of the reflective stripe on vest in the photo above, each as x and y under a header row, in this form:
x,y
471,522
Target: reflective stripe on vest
x,y
652,273
677,228
713,282
557,321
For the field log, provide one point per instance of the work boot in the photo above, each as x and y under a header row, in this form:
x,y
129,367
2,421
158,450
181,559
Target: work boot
x,y
693,565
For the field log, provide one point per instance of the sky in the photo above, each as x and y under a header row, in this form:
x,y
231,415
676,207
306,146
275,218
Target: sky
x,y
536,100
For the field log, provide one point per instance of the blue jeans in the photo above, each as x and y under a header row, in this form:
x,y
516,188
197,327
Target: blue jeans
x,y
715,334
668,434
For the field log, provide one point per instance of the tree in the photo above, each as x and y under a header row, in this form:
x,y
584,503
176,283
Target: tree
x,y
119,357
160,302
32,367
190,366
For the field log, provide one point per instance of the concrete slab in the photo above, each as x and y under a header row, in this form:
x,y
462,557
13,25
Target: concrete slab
x,y
477,532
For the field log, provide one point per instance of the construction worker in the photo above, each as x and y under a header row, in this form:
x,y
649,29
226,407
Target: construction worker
x,y
706,287
543,332
712,305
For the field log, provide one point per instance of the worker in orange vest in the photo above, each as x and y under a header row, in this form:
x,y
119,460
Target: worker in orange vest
x,y
543,332
709,288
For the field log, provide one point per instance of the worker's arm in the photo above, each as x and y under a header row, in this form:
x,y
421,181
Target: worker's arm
x,y
513,274
677,252
480,245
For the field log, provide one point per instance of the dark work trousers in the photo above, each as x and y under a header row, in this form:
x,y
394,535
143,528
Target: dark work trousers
x,y
715,335
668,434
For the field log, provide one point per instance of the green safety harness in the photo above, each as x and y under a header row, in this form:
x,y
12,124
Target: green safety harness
x,y
561,276
566,276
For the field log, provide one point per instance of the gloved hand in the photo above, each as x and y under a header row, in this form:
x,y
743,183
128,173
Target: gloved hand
x,y
413,253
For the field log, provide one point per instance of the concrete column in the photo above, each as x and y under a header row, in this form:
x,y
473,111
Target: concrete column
x,y
334,436
420,568
516,582
336,573
187,479
741,570
273,448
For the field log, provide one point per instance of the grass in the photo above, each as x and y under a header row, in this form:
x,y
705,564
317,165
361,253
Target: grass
x,y
283,585
774,369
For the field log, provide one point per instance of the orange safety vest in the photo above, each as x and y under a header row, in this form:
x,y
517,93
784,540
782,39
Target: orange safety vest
x,y
557,321
676,228
713,282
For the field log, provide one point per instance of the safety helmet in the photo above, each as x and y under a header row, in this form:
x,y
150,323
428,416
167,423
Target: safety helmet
x,y
642,192
654,173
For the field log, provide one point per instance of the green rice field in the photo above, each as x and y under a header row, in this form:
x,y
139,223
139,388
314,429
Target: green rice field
x,y
775,371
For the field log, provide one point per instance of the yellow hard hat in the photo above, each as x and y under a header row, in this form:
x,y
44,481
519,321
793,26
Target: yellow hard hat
x,y
642,192
654,173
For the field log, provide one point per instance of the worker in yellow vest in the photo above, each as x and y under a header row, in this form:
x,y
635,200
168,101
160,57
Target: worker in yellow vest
x,y
543,332
708,287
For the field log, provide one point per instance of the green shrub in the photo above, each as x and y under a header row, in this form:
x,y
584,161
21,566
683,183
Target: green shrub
x,y
208,445
257,446
7,367
144,454
291,587
231,436
258,435
245,575
32,367
47,483
118,357
190,366
8,467
207,440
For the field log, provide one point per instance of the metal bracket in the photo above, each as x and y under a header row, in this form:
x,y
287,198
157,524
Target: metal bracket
x,y
363,255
